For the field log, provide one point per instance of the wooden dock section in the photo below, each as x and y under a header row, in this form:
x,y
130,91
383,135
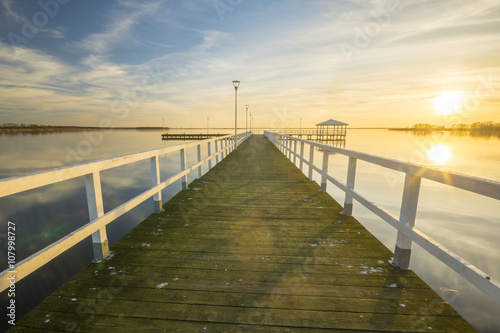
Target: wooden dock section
x,y
252,246
184,136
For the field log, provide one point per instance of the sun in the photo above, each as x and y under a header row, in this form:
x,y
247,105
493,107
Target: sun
x,y
448,103
440,153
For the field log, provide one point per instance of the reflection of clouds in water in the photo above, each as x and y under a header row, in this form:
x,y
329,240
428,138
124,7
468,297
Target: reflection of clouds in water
x,y
44,215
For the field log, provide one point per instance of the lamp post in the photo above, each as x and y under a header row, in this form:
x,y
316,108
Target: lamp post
x,y
246,119
236,84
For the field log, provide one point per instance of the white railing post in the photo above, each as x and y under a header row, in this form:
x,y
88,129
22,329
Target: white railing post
x,y
183,167
324,170
351,176
216,151
198,153
290,148
294,151
287,144
301,156
96,210
408,213
222,143
155,180
311,161
209,149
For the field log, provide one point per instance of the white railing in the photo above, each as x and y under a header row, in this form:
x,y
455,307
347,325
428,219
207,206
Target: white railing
x,y
217,149
407,233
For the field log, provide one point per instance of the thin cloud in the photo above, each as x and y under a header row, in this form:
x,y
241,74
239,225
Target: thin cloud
x,y
119,28
11,12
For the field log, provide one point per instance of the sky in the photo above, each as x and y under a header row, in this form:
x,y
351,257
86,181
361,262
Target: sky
x,y
368,63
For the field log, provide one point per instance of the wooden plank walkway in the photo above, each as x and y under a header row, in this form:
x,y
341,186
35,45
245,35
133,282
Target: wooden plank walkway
x,y
252,246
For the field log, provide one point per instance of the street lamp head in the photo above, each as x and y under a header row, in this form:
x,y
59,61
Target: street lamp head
x,y
236,84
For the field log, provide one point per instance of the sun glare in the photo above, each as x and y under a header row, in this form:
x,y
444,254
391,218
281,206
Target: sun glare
x,y
440,153
448,103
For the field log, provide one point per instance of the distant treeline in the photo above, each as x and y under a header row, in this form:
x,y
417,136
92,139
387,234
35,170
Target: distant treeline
x,y
478,129
34,129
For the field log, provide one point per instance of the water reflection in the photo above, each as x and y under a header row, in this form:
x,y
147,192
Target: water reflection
x,y
47,214
479,133
440,153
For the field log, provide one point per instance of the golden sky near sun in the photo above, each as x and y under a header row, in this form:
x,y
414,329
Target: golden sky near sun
x,y
367,63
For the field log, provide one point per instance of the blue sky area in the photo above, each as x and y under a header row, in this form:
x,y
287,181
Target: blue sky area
x,y
134,63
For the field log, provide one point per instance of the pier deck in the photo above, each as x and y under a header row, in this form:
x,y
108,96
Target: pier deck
x,y
252,246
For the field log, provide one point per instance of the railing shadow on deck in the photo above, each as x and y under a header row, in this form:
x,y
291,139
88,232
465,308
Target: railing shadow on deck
x,y
217,149
405,224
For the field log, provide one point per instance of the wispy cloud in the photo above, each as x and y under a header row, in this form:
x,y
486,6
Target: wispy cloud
x,y
119,26
7,4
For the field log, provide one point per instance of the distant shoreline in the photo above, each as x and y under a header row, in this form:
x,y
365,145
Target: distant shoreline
x,y
58,129
479,129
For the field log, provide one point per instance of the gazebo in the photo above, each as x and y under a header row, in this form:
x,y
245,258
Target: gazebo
x,y
331,130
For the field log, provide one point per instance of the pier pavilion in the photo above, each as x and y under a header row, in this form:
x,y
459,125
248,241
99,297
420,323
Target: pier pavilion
x,y
331,130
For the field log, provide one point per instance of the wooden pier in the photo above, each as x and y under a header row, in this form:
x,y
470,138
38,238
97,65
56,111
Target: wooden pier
x,y
252,246
184,136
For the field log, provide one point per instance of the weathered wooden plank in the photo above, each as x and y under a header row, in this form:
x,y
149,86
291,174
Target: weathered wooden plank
x,y
263,314
250,247
281,301
62,321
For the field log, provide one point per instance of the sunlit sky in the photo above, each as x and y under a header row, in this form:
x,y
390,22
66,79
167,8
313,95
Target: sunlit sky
x,y
379,63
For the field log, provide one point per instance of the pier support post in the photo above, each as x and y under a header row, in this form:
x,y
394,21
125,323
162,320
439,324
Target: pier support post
x,y
351,176
155,180
311,161
324,170
183,167
408,213
96,210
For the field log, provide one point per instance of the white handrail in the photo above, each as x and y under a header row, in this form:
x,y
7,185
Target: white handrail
x,y
407,233
98,220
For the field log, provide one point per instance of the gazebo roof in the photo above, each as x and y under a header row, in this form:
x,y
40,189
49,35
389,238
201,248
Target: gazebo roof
x,y
331,122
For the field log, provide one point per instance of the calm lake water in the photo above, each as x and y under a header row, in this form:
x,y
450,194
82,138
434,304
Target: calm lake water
x,y
466,223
